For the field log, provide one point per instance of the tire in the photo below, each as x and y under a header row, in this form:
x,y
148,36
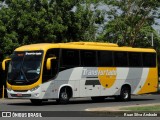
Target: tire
x,y
36,101
63,97
98,99
125,94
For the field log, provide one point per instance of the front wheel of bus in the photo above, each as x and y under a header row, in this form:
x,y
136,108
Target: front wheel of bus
x,y
63,97
36,101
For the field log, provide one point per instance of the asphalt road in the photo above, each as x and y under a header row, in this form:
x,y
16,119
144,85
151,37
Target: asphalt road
x,y
80,104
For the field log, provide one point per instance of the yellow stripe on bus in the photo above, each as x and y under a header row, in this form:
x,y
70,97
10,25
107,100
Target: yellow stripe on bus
x,y
150,84
24,87
107,76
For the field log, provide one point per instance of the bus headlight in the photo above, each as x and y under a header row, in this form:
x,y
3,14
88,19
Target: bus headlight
x,y
9,89
36,94
35,88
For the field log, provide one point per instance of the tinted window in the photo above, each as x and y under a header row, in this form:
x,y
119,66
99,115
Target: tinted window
x,y
48,74
88,58
149,59
120,59
70,57
105,58
135,59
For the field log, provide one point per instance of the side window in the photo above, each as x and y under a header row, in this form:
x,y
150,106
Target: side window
x,y
135,59
88,58
70,57
149,59
120,59
105,58
48,74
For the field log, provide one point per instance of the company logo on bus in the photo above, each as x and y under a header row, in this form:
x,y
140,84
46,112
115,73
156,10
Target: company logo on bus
x,y
107,72
33,53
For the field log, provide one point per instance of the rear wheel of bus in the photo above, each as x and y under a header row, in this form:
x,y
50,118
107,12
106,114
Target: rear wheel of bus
x,y
125,94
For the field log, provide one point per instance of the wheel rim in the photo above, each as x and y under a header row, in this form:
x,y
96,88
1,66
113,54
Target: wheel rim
x,y
125,95
64,96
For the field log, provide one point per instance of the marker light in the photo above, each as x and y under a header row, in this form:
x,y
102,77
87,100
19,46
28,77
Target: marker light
x,y
35,88
9,89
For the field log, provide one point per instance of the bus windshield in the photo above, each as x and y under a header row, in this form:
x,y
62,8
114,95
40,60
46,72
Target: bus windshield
x,y
25,67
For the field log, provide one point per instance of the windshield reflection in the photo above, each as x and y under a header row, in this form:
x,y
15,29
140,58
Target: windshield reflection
x,y
25,66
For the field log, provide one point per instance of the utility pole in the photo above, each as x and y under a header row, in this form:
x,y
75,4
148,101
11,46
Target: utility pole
x,y
152,39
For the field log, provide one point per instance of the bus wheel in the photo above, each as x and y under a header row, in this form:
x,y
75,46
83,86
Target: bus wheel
x,y
125,94
36,101
63,97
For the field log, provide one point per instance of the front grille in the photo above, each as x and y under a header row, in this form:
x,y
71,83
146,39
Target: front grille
x,y
20,90
21,95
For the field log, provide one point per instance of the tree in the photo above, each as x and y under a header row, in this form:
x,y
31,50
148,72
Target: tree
x,y
128,20
40,21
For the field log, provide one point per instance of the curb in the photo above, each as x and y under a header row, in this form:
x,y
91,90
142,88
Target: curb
x,y
6,100
117,108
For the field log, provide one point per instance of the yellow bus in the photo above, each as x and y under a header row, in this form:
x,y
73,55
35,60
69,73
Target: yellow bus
x,y
62,71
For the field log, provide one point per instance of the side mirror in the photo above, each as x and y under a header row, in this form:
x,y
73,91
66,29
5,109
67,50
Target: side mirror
x,y
48,64
4,63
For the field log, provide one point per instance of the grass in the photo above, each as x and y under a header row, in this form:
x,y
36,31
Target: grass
x,y
144,108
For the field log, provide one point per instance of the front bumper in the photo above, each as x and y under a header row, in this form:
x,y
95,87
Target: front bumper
x,y
28,94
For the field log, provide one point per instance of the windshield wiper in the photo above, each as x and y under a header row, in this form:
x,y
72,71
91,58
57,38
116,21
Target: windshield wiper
x,y
24,74
21,68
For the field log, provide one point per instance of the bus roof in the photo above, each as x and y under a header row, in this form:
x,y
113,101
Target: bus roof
x,y
82,45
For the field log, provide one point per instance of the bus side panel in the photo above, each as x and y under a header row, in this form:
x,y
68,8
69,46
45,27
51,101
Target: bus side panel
x,y
141,80
74,81
137,87
103,81
151,82
112,81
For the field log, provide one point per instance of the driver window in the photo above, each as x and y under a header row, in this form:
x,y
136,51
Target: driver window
x,y
48,74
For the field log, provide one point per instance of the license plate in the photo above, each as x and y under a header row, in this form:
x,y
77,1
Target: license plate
x,y
19,95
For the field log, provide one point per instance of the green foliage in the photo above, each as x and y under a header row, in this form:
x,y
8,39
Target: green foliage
x,y
143,108
129,22
45,21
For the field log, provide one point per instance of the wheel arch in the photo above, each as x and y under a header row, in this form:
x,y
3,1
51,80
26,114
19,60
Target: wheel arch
x,y
126,85
125,93
68,87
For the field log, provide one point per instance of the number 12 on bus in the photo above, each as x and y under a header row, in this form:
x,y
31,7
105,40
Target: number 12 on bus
x,y
80,69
